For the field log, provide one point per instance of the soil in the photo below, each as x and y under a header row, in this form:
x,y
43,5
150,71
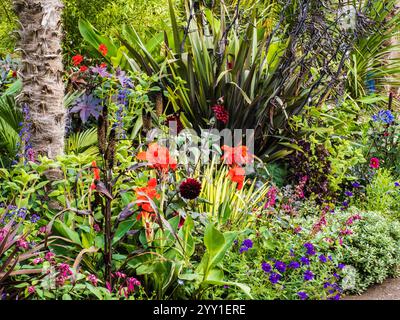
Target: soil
x,y
388,290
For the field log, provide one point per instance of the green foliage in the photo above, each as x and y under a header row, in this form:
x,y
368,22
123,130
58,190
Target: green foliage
x,y
8,24
107,16
372,66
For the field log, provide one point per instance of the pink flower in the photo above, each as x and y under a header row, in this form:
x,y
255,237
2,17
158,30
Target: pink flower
x,y
120,275
64,270
131,283
108,286
22,244
38,260
297,229
49,256
346,232
374,163
93,279
96,228
271,195
42,230
31,289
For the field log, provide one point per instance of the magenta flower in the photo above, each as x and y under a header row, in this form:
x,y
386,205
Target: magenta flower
x,y
93,279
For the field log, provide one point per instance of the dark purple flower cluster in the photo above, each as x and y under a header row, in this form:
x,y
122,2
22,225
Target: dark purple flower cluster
x,y
246,245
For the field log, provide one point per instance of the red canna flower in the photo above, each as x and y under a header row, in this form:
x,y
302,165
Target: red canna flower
x,y
374,163
83,68
103,49
103,65
151,192
237,156
96,175
77,60
237,174
158,157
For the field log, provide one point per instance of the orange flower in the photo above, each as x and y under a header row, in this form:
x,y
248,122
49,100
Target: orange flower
x,y
158,157
237,174
237,155
96,175
103,49
151,192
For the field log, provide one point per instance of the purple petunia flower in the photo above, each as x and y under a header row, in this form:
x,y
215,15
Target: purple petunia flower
x,y
294,265
280,266
305,261
274,277
247,243
336,275
348,194
308,275
243,249
397,184
302,295
356,184
341,266
266,267
335,297
310,249
322,258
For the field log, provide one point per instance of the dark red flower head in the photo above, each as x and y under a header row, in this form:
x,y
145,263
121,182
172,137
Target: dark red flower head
x,y
190,189
220,113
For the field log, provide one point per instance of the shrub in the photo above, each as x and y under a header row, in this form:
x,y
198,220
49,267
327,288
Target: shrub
x,y
373,250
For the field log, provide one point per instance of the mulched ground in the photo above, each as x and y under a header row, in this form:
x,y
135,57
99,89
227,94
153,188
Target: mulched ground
x,y
388,290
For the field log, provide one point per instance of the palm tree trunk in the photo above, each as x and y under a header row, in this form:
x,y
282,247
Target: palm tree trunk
x,y
42,72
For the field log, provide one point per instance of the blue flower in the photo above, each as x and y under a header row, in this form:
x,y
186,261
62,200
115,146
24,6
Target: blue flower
x,y
35,218
247,243
397,184
308,275
274,277
243,249
266,267
384,116
302,295
348,194
335,297
280,266
356,184
310,249
322,258
294,265
305,261
341,266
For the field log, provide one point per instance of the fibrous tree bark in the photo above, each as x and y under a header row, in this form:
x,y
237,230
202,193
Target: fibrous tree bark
x,y
41,73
